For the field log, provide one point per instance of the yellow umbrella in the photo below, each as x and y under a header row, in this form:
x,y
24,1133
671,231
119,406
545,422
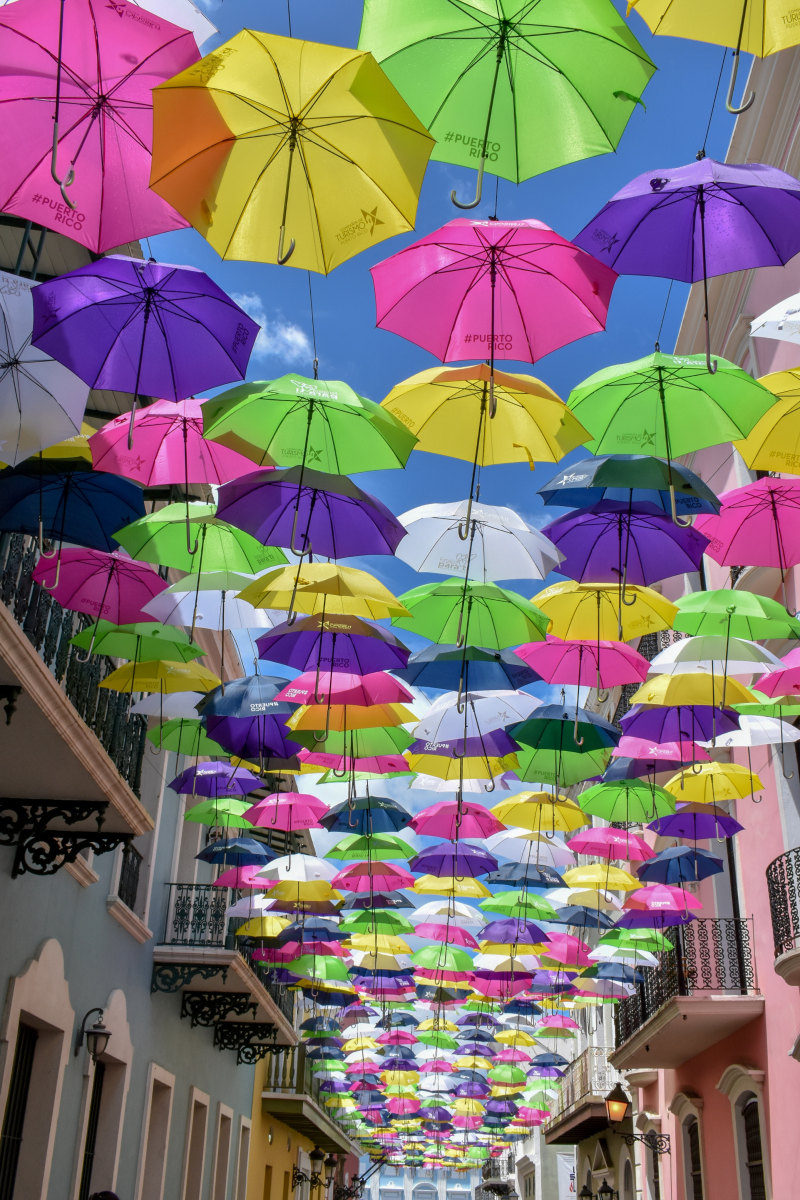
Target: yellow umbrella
x,y
262,927
714,783
759,27
314,587
472,1062
443,767
76,446
449,885
515,1037
349,716
376,961
359,1043
695,687
592,611
601,875
448,410
504,948
161,676
304,889
773,444
439,1024
467,1107
541,812
377,942
271,146
399,1077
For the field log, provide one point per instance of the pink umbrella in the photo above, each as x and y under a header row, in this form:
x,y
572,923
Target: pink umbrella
x,y
662,897
244,877
287,811
611,843
76,85
496,289
436,1066
592,664
112,586
379,764
397,1037
460,1121
366,876
785,682
757,525
668,752
534,1116
557,1021
170,447
402,1105
340,687
446,933
512,1055
456,819
566,949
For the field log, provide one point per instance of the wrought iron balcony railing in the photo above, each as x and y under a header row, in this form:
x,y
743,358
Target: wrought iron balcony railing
x,y
195,916
49,628
128,886
783,885
590,1074
711,954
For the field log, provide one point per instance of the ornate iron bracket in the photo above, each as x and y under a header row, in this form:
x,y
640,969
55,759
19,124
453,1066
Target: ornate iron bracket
x,y
657,1142
172,977
42,850
313,1179
209,1008
234,1035
9,695
354,1189
26,817
252,1052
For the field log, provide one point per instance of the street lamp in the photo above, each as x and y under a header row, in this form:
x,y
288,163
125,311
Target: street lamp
x,y
585,1193
604,1192
97,1036
618,1107
330,1171
313,1178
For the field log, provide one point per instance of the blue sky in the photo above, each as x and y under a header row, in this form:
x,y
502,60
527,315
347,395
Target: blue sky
x,y
668,132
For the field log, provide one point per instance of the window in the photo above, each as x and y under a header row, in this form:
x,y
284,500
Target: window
x,y
655,1176
754,1156
155,1136
240,1183
195,1151
694,1166
16,1106
91,1131
222,1154
627,1182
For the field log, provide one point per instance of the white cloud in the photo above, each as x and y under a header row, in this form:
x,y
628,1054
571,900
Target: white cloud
x,y
278,338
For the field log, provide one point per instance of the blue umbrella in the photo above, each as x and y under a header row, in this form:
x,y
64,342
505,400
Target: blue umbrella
x,y
76,505
471,668
680,864
366,815
237,851
526,874
629,478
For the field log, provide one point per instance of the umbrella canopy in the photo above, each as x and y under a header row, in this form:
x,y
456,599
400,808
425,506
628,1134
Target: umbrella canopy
x,y
323,588
76,98
41,401
164,537
217,781
92,581
594,611
602,664
515,286
67,503
626,479
142,640
366,815
462,610
470,668
325,643
756,525
773,443
158,676
627,800
734,614
309,142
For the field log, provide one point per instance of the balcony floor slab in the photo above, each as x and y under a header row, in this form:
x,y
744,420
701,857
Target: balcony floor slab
x,y
582,1121
683,1028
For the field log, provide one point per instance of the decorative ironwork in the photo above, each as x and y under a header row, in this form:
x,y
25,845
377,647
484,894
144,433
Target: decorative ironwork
x,y
42,850
172,977
253,1052
588,1076
658,1143
196,915
128,885
47,852
9,695
783,886
251,1040
312,1178
209,1008
711,954
18,817
355,1188
49,628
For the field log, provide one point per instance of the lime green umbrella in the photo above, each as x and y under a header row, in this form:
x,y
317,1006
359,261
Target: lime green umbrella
x,y
225,811
560,767
210,581
507,1073
651,940
734,614
144,641
161,538
319,967
379,920
628,800
462,610
443,958
185,735
666,406
475,72
293,420
768,706
357,743
377,847
527,905
436,1037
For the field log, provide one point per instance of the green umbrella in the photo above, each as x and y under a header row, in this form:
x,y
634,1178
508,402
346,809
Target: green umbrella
x,y
160,537
185,735
211,581
379,920
443,958
294,420
563,768
378,847
526,905
506,1073
666,406
483,614
638,939
220,812
734,614
628,800
357,743
319,967
435,1037
768,706
511,85
144,641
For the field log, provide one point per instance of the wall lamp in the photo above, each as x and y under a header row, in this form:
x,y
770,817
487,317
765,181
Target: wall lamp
x,y
313,1177
604,1192
618,1107
97,1036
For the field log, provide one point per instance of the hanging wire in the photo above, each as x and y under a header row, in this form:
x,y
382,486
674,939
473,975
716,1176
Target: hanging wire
x,y
313,328
496,193
289,15
663,315
702,152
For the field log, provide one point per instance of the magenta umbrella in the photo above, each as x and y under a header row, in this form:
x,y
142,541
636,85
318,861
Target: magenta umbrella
x,y
611,843
456,819
112,586
287,811
667,752
599,664
76,132
499,289
437,931
341,687
372,876
757,526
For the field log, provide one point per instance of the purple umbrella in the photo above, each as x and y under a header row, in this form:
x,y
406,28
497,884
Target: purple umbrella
x,y
696,826
472,1090
216,779
511,930
447,858
679,722
612,543
334,517
333,643
693,222
496,743
261,737
143,327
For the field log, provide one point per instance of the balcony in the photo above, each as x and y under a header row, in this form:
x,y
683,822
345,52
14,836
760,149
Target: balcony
x,y
783,881
498,1179
701,992
222,987
579,1111
56,714
291,1093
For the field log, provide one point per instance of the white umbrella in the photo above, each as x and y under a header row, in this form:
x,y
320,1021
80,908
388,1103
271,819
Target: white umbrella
x,y
430,783
628,955
498,543
711,653
169,705
757,731
249,906
483,712
781,322
439,910
524,846
41,402
209,610
298,867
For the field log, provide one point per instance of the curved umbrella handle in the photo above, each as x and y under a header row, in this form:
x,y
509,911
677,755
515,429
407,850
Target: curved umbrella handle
x,y
307,547
490,786
191,549
42,551
282,257
746,102
681,522
478,189
575,736
69,178
464,530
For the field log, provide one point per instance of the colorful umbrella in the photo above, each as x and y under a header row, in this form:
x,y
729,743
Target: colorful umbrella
x,y
164,537
773,443
626,479
461,610
322,643
323,588
111,586
594,611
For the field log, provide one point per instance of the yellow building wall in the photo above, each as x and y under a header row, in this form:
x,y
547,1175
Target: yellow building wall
x,y
274,1149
